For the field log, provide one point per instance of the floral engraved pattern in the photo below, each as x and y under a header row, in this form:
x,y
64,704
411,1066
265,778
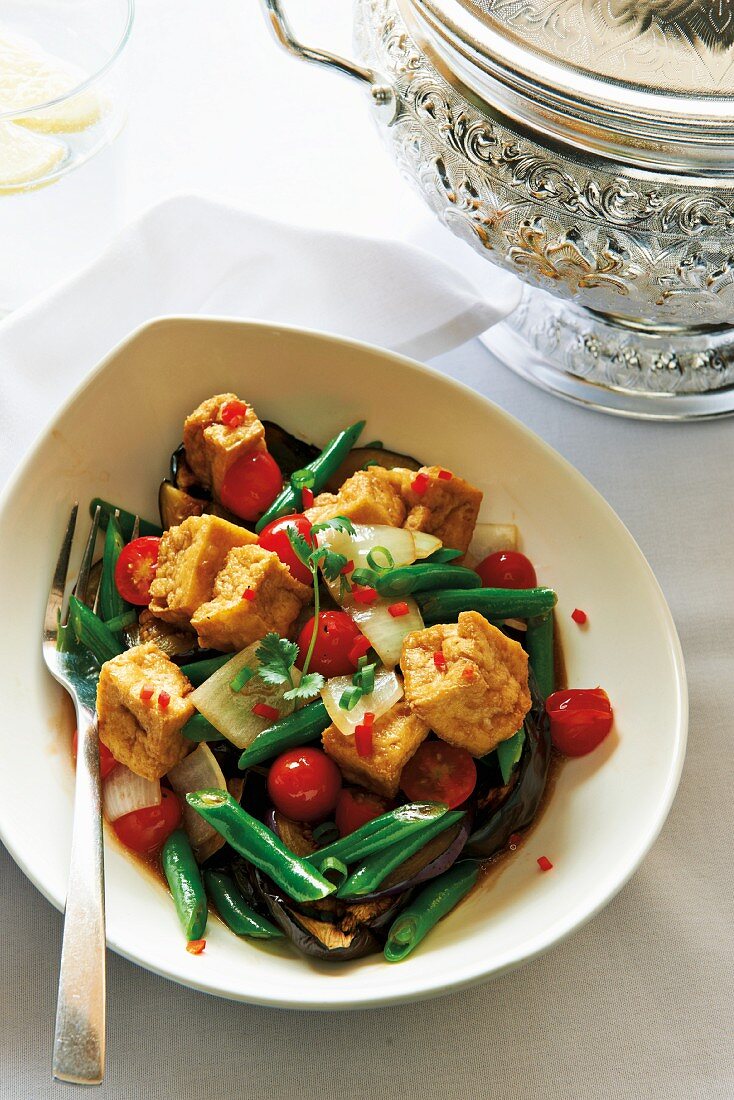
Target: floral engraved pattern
x,y
565,257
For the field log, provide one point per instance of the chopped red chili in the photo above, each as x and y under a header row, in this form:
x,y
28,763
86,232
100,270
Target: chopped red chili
x,y
360,648
248,594
233,414
262,710
440,662
545,864
364,593
468,674
146,693
515,841
398,609
363,739
163,699
368,718
307,497
579,616
420,483
195,947
445,475
347,568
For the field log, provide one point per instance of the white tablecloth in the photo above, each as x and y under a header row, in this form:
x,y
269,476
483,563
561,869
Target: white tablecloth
x,y
639,1003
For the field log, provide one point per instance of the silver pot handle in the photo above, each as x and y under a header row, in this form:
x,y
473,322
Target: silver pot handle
x,y
382,94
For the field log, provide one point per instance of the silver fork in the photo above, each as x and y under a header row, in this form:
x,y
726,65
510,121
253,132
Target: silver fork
x,y
79,1040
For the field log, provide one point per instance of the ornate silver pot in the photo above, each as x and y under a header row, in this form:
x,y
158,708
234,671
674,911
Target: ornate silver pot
x,y
587,146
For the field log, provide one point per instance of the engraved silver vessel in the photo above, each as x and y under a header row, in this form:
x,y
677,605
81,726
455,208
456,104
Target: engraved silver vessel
x,y
585,145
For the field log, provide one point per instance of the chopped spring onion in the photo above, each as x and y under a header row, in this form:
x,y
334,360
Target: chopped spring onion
x,y
349,698
197,770
124,792
380,558
387,692
369,538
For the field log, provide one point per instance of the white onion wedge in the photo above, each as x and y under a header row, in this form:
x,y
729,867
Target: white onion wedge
x,y
195,772
123,792
388,691
425,544
366,537
490,538
231,712
385,632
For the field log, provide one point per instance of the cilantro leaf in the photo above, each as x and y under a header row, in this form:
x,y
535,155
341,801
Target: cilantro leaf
x,y
300,545
338,523
330,562
309,687
276,656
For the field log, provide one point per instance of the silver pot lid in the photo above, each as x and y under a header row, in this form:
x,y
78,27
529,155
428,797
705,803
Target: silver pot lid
x,y
654,77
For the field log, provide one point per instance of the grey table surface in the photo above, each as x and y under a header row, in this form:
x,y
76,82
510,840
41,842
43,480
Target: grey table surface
x,y
639,1003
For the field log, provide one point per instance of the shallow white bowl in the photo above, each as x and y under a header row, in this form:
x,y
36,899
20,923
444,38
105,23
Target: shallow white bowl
x,y
113,439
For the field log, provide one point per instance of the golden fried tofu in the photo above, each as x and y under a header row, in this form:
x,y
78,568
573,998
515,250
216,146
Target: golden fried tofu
x,y
395,737
369,496
482,696
141,727
212,445
189,559
445,506
253,594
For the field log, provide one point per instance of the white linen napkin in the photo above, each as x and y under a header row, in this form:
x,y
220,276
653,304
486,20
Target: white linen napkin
x,y
192,255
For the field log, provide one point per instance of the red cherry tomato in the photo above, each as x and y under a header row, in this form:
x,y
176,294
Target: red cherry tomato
x,y
304,784
145,830
275,537
335,637
135,569
507,569
580,719
355,808
438,772
106,760
251,484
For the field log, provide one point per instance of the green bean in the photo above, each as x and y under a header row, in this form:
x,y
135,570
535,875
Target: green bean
x,y
443,556
425,577
199,671
322,467
111,604
199,728
92,632
437,899
304,725
233,909
493,603
259,845
126,519
120,622
539,643
509,753
184,881
379,865
387,829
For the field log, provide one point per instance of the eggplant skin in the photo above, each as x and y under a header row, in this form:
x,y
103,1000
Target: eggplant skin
x,y
378,456
290,452
521,805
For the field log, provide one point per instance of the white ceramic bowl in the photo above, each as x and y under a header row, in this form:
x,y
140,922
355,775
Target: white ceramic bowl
x,y
113,439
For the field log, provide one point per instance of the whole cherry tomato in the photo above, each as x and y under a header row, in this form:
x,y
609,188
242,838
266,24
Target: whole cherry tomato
x,y
335,638
106,760
251,484
304,784
146,830
275,537
580,719
507,569
135,569
355,808
438,772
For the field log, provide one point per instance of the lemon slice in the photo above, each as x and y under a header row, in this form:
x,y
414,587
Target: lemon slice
x,y
26,158
29,75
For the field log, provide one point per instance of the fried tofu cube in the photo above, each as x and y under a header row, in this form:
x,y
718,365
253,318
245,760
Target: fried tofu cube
x,y
142,729
189,558
482,696
213,446
443,506
253,594
395,737
369,496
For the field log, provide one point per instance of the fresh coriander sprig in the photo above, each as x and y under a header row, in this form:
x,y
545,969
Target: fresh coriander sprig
x,y
277,657
312,557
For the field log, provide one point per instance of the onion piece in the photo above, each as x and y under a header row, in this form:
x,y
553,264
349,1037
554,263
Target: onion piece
x,y
425,544
231,711
196,772
124,792
385,632
367,536
491,538
388,691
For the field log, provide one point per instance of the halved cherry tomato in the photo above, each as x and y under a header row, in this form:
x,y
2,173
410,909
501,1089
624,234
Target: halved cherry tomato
x,y
507,569
251,484
355,808
275,537
135,569
304,784
438,772
146,830
580,719
335,638
106,760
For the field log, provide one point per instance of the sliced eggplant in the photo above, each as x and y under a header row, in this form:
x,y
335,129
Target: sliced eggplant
x,y
174,642
437,856
290,452
183,476
175,505
375,456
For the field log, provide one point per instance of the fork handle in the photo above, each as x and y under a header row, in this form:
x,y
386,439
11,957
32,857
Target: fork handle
x,y
79,1040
